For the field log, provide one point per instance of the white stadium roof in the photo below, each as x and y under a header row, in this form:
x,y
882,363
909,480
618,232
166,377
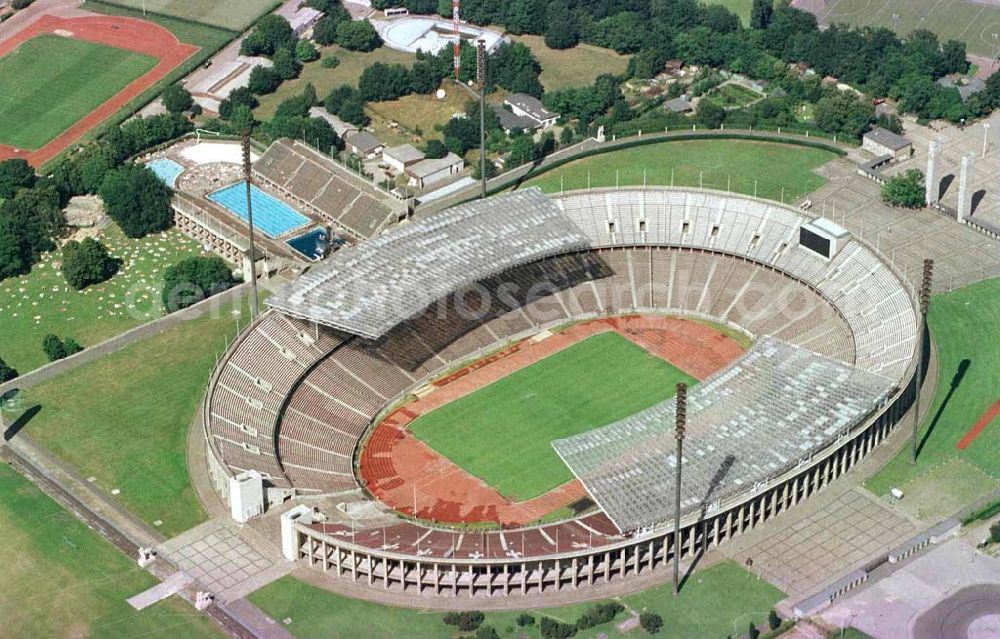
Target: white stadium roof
x,y
750,422
369,288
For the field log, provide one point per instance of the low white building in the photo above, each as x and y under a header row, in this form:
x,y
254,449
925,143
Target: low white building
x,y
341,128
364,144
433,170
883,142
402,156
530,107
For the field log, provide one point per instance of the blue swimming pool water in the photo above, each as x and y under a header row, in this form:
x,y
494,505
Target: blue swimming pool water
x,y
313,245
270,215
167,170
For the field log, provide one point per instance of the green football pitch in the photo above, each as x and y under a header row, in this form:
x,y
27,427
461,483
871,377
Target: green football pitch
x,y
502,433
49,83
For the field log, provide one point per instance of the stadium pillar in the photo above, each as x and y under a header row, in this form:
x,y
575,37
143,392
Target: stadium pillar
x,y
680,418
254,304
965,187
925,300
933,184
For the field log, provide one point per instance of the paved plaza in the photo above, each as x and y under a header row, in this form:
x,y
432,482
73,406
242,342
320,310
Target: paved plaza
x,y
824,538
932,584
219,557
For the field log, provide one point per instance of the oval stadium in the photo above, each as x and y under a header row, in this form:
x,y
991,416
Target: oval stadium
x,y
481,403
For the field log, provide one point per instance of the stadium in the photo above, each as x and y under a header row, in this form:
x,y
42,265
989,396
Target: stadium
x,y
479,403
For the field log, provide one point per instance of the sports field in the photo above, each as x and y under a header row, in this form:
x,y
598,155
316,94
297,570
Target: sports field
x,y
49,83
237,15
718,601
973,22
964,324
60,579
124,418
717,164
502,433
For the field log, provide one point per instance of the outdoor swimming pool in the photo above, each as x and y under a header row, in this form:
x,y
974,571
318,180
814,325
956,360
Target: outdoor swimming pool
x,y
313,245
270,215
166,169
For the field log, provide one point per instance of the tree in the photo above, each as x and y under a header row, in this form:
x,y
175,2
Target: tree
x,y
380,82
435,149
773,620
177,99
651,622
263,80
240,97
15,174
325,31
271,33
358,35
423,80
760,14
487,632
905,189
844,113
306,51
566,136
136,200
7,373
194,279
56,348
525,620
561,32
710,114
522,150
87,262
994,529
953,55
465,621
752,632
35,218
286,65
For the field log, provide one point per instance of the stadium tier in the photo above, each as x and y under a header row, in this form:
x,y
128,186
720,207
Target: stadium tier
x,y
326,188
829,376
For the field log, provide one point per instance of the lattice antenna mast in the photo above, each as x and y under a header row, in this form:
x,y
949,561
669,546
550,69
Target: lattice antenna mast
x,y
926,284
457,44
248,177
680,425
481,81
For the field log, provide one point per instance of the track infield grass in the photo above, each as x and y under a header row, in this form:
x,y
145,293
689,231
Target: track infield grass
x,y
717,601
49,83
963,324
123,419
61,579
774,170
502,433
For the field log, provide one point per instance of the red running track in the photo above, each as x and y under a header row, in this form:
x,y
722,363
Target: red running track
x,y
413,478
122,33
980,426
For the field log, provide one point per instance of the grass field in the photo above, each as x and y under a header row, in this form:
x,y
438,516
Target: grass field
x,y
352,63
500,431
718,601
968,384
60,579
739,7
50,82
576,67
417,113
717,164
123,419
236,15
42,302
966,20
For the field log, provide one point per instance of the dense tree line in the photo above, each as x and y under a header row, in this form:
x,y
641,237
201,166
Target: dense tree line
x,y
194,279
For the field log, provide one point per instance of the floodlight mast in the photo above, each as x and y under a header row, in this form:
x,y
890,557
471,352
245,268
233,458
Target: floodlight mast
x,y
457,44
254,305
481,81
680,425
926,283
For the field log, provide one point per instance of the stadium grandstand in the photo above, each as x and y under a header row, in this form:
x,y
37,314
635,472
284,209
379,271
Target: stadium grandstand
x,y
298,395
327,189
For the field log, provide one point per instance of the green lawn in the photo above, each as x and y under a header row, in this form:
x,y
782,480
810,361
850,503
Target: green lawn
x,y
61,579
42,302
49,83
124,419
731,96
964,324
717,601
502,433
209,38
237,15
716,164
575,67
739,7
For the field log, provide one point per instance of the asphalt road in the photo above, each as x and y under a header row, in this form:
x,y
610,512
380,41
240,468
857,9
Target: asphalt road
x,y
951,618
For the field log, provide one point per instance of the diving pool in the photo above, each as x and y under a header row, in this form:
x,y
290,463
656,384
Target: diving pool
x,y
270,215
166,169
